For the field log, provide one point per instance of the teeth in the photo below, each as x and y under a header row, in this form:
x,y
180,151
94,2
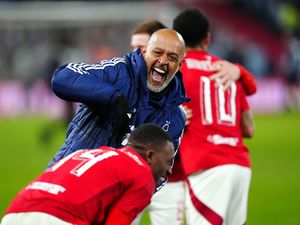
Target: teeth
x,y
159,70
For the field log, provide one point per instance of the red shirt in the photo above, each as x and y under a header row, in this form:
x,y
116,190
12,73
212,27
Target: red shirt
x,y
214,136
86,186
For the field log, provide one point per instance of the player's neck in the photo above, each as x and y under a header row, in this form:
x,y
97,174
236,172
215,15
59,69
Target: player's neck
x,y
201,48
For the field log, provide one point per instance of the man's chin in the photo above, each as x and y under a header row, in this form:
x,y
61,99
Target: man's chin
x,y
155,88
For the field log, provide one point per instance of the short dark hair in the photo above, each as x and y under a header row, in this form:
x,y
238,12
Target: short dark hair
x,y
148,27
192,25
150,135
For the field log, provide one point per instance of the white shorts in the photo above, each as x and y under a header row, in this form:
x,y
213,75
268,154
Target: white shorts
x,y
218,196
31,218
167,205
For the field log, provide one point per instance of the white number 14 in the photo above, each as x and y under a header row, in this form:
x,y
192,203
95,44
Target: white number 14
x,y
86,160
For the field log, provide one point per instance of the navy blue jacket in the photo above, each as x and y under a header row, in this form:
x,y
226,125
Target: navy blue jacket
x,y
96,87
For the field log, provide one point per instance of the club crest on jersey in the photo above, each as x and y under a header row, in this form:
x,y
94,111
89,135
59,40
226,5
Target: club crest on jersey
x,y
166,126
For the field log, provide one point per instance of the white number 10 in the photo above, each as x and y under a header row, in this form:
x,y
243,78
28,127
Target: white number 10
x,y
223,102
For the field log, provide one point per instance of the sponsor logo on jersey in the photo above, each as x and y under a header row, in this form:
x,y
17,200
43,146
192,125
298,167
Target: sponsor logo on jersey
x,y
220,140
48,187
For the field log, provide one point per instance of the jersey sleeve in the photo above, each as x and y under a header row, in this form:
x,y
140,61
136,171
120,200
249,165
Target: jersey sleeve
x,y
91,84
247,80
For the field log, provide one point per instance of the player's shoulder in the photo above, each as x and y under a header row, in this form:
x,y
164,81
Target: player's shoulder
x,y
197,61
133,169
131,159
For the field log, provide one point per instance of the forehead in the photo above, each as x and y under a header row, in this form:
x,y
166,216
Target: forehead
x,y
169,45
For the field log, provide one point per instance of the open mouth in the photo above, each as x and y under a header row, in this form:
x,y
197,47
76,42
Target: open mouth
x,y
158,75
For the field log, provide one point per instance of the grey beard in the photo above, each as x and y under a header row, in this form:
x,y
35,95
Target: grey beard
x,y
157,89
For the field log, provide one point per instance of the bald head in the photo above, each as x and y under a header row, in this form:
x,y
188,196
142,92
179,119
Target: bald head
x,y
170,37
163,55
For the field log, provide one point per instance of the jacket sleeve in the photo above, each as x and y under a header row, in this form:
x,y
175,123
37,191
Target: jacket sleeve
x,y
91,84
181,118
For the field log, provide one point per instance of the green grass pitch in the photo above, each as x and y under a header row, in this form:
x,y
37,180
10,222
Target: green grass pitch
x,y
275,155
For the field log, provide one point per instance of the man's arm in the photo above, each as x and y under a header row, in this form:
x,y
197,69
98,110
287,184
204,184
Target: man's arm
x,y
247,124
228,72
85,83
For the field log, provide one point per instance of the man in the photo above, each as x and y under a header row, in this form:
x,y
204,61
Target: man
x,y
167,206
97,186
123,93
213,155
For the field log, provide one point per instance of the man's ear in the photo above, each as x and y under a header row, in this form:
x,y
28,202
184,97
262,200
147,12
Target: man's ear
x,y
149,156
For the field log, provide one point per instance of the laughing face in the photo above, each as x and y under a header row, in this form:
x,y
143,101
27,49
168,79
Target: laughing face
x,y
164,56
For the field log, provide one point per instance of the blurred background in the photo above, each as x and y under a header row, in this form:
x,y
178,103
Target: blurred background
x,y
38,36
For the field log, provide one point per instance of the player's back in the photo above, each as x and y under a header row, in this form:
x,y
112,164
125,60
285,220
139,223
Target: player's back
x,y
214,136
80,187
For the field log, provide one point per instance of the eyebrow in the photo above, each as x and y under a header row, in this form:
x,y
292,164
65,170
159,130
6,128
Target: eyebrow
x,y
168,53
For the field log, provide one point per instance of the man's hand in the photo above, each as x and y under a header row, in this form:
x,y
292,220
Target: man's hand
x,y
225,73
188,114
120,106
121,110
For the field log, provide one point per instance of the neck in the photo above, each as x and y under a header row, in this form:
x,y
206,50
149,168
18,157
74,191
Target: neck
x,y
200,48
139,148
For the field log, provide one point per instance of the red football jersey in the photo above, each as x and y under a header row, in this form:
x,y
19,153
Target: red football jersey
x,y
84,187
214,136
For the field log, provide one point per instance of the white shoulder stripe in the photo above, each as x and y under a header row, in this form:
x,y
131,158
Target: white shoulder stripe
x,y
83,68
77,68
